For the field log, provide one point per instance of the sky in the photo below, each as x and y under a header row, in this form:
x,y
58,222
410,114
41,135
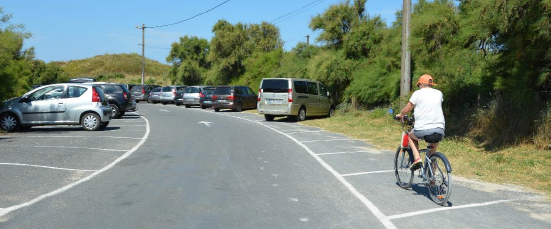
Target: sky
x,y
64,30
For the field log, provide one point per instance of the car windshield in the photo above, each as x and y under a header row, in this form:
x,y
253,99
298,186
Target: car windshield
x,y
223,91
275,85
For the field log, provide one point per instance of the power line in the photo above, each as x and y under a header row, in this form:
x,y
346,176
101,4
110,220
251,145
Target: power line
x,y
297,11
187,19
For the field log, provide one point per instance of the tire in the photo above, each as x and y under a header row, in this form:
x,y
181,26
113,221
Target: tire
x,y
331,112
90,122
164,103
216,109
301,115
203,107
239,107
115,111
402,160
137,101
269,117
440,182
177,104
9,122
188,106
122,113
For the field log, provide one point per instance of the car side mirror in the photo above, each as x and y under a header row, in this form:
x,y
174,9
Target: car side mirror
x,y
24,99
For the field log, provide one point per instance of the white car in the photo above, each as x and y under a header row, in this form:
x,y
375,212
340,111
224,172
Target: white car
x,y
57,104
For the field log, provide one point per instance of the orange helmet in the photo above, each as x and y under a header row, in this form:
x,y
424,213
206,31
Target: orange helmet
x,y
425,79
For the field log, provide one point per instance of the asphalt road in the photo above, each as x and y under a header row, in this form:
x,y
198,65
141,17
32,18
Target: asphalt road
x,y
176,167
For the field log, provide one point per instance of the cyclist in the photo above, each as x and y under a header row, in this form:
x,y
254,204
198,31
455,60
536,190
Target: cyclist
x,y
429,118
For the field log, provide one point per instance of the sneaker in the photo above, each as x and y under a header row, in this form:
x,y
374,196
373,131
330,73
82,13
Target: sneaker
x,y
416,164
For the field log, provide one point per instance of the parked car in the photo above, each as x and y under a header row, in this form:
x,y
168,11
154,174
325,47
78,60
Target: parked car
x,y
141,92
205,99
236,98
155,95
119,98
170,93
130,86
57,104
192,94
296,98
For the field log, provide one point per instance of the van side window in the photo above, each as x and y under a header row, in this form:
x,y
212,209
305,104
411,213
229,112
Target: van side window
x,y
301,87
323,90
312,88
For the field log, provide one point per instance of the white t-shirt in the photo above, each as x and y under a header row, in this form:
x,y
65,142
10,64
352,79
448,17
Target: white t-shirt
x,y
428,109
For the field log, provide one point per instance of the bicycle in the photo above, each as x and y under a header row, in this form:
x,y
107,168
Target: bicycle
x,y
435,170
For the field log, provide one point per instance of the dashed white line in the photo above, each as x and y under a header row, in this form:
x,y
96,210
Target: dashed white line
x,y
46,136
363,173
446,209
47,167
94,174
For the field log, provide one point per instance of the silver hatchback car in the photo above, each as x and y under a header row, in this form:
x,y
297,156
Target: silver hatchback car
x,y
57,104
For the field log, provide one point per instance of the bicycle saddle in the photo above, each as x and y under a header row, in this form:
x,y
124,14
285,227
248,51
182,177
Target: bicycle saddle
x,y
433,138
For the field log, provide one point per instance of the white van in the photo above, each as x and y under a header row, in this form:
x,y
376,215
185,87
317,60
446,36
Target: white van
x,y
295,98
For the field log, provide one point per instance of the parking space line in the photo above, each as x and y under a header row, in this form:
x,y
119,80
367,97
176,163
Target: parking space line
x,y
363,173
303,131
321,154
48,167
374,209
72,147
405,215
46,136
94,174
328,140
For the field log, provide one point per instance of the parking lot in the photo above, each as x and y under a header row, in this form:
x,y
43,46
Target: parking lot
x,y
49,160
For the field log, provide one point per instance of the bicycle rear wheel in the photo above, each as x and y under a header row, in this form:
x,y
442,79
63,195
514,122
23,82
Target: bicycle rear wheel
x,y
402,161
440,181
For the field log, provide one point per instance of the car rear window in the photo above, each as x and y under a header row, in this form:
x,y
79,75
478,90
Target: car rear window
x,y
137,88
223,91
166,89
208,91
192,90
275,85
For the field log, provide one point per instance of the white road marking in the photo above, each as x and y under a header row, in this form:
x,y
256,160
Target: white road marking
x,y
72,147
328,140
303,131
69,186
376,211
163,110
405,215
321,154
205,122
45,136
363,173
47,167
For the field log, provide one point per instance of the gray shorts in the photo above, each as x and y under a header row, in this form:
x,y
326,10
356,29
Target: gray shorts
x,y
420,134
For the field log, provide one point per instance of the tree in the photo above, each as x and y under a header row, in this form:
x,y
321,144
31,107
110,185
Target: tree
x,y
189,60
337,21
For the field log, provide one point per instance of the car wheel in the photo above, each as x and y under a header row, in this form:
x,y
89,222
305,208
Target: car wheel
x,y
137,101
90,122
188,106
269,117
301,114
164,103
203,107
239,107
216,109
331,111
177,104
9,122
114,111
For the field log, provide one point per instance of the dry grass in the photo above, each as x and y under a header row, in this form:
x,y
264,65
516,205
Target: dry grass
x,y
524,165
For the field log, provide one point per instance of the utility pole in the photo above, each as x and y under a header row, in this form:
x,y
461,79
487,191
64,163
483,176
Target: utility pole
x,y
307,40
143,51
405,79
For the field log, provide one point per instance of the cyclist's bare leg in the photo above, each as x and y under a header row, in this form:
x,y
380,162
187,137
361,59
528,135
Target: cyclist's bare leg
x,y
414,144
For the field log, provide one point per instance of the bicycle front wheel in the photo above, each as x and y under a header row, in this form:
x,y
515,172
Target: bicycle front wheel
x,y
402,161
440,179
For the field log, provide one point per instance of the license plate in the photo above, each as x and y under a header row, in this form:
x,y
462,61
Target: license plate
x,y
274,101
222,100
189,99
208,102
